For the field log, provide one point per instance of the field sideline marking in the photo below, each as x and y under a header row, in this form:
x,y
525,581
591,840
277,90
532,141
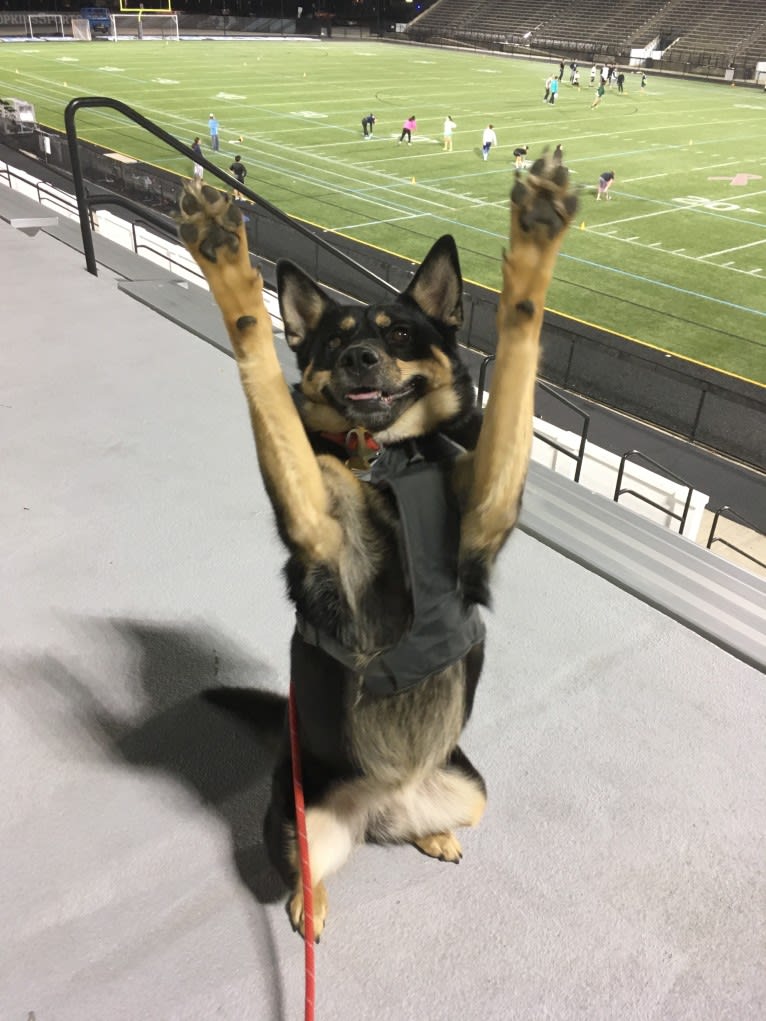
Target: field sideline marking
x,y
737,248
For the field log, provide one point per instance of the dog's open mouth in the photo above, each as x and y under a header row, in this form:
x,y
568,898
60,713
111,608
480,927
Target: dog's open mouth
x,y
378,396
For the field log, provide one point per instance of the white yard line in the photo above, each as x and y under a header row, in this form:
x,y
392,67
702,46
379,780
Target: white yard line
x,y
377,223
642,216
648,177
716,166
737,248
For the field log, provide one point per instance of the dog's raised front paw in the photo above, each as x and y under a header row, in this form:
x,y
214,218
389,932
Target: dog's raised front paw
x,y
542,200
210,223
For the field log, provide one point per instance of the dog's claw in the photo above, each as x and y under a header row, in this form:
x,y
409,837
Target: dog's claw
x,y
442,846
295,910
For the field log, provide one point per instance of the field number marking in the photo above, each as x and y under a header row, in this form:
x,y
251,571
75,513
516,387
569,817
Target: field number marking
x,y
739,180
698,202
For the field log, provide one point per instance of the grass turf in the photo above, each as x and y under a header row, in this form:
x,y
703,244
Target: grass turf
x,y
676,259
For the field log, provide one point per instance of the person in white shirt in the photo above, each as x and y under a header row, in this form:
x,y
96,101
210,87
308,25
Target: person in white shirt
x,y
449,127
488,139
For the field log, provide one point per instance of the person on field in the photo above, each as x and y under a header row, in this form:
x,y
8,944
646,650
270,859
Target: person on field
x,y
239,170
488,139
599,95
554,91
368,123
196,148
520,153
605,182
212,127
408,128
449,127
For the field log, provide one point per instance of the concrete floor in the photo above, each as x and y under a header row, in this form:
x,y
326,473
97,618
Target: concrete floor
x,y
618,872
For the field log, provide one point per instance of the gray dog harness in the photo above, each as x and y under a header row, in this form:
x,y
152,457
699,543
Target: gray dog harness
x,y
443,629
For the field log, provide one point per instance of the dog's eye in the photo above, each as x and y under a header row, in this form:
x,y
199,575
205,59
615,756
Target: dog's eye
x,y
399,335
333,343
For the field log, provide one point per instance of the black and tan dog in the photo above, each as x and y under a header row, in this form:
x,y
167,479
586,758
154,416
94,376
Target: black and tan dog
x,y
393,498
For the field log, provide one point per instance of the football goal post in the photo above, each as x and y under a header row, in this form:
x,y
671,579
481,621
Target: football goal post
x,y
144,25
40,26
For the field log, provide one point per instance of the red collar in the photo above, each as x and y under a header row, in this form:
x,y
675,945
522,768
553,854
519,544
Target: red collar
x,y
361,446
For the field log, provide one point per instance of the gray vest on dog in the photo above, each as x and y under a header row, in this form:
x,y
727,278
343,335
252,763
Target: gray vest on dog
x,y
443,629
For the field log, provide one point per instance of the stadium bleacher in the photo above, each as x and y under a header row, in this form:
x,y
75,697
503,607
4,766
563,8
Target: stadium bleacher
x,y
707,32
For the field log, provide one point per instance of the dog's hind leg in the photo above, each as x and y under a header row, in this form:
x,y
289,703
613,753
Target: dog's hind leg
x,y
425,813
333,829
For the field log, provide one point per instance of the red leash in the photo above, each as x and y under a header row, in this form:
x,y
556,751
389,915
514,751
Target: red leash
x,y
303,853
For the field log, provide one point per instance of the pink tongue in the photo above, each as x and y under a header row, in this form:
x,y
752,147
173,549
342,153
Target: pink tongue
x,y
368,396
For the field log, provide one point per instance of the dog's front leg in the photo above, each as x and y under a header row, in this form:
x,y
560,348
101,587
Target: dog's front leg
x,y
212,230
541,209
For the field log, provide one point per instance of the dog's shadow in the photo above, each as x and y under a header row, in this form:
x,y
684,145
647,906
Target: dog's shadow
x,y
219,740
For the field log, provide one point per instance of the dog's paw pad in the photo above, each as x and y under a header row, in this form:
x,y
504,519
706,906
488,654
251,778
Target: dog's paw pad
x,y
209,222
543,200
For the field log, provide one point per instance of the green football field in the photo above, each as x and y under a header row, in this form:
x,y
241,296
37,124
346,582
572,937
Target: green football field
x,y
676,259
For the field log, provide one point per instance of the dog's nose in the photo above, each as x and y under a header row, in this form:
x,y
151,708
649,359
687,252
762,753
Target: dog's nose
x,y
359,358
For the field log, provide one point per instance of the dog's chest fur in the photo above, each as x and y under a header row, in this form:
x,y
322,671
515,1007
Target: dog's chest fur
x,y
366,605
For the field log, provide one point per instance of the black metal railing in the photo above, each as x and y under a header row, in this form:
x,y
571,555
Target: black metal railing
x,y
579,457
732,514
619,490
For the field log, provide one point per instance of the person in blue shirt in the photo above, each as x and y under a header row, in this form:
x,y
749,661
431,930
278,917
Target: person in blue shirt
x,y
212,126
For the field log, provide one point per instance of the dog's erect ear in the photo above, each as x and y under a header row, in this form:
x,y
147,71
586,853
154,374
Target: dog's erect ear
x,y
437,287
301,302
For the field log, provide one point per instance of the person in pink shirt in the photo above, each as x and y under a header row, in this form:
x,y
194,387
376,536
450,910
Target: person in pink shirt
x,y
407,129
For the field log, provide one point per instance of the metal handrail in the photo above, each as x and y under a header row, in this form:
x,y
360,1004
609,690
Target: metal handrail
x,y
579,457
712,537
54,197
618,491
187,267
86,202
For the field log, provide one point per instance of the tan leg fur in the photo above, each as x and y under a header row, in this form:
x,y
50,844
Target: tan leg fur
x,y
285,455
541,209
